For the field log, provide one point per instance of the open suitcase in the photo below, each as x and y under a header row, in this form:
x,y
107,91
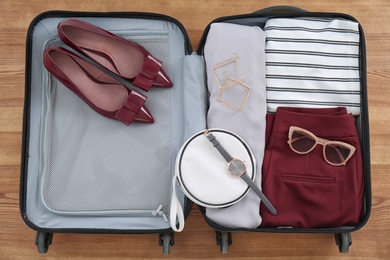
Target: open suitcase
x,y
74,160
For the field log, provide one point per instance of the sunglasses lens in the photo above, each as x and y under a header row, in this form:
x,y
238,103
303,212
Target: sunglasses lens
x,y
302,142
336,154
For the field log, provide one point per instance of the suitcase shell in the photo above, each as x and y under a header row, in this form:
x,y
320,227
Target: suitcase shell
x,y
95,193
42,32
342,235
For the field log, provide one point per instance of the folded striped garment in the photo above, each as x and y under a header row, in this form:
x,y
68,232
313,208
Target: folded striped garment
x,y
312,62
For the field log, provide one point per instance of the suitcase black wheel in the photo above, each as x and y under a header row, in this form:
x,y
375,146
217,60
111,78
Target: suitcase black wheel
x,y
224,240
166,241
43,241
343,241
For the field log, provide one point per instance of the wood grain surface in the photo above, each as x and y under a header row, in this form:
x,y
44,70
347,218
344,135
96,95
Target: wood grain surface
x,y
197,241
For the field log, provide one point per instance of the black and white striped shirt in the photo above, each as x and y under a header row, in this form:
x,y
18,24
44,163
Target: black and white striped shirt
x,y
312,62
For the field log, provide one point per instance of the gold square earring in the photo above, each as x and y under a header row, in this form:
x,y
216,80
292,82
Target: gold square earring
x,y
229,68
233,91
234,94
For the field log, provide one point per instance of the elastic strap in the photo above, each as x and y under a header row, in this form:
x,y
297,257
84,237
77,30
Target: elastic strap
x,y
176,210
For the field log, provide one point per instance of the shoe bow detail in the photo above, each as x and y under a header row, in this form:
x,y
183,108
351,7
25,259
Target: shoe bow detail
x,y
131,107
147,73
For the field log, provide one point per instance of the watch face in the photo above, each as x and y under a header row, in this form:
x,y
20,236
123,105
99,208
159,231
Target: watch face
x,y
236,167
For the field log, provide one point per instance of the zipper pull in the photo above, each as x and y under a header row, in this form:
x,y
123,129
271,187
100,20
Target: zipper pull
x,y
160,212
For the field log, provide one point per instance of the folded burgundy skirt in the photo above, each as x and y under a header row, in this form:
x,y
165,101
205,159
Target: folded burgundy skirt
x,y
306,190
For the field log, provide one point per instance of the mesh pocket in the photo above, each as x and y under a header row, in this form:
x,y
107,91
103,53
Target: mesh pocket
x,y
95,165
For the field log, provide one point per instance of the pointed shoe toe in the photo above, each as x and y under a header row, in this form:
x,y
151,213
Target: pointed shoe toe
x,y
133,108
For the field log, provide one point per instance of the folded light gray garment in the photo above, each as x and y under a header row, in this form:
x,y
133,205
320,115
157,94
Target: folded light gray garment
x,y
225,41
312,62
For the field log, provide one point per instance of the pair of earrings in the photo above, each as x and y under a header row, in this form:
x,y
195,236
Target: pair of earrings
x,y
233,91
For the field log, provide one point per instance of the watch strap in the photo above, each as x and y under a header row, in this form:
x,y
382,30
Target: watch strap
x,y
218,146
245,176
259,193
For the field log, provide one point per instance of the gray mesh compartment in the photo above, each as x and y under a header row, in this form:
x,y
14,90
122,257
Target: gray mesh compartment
x,y
95,165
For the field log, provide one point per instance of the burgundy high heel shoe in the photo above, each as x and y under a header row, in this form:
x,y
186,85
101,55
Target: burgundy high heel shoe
x,y
101,92
121,56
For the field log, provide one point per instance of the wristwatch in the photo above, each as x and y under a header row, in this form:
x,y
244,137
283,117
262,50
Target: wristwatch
x,y
236,167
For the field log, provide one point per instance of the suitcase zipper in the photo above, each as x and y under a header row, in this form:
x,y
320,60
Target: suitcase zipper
x,y
158,213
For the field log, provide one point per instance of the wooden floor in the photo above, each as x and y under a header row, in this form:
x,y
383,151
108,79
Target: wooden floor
x,y
198,239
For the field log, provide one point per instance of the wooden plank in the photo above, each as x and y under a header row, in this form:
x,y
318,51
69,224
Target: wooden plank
x,y
198,239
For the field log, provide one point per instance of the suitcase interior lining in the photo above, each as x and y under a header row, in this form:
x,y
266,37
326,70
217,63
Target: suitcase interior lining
x,y
106,155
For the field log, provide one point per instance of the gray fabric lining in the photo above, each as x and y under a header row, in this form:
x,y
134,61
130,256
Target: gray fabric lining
x,y
88,171
195,95
112,165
